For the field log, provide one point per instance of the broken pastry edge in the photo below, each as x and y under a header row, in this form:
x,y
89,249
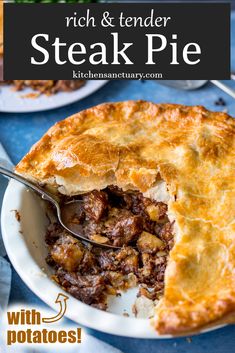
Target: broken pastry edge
x,y
194,322
171,324
160,191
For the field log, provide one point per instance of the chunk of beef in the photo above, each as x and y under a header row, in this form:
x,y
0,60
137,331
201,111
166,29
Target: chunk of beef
x,y
125,260
107,260
153,269
88,265
123,228
88,289
95,205
92,228
167,234
134,201
128,260
115,279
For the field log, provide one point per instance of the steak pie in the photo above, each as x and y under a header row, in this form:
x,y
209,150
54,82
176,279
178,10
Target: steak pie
x,y
158,180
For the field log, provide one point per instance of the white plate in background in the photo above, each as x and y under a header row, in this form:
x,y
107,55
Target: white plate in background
x,y
17,101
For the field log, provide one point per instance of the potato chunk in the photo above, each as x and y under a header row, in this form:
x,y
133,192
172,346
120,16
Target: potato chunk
x,y
153,212
99,239
67,252
157,212
149,243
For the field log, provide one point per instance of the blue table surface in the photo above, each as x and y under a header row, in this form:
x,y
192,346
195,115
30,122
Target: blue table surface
x,y
19,131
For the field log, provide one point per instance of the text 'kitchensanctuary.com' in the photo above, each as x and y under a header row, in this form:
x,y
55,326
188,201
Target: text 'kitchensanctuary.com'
x,y
112,75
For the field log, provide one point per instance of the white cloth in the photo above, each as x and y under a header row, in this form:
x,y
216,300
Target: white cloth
x,y
91,345
5,282
5,285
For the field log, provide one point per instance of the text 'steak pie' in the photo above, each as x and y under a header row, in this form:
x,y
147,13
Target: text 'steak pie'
x,y
183,156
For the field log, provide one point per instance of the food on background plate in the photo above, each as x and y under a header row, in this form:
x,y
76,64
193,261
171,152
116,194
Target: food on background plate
x,y
158,180
47,87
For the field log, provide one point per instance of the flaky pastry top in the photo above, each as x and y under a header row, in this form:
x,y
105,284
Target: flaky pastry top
x,y
136,144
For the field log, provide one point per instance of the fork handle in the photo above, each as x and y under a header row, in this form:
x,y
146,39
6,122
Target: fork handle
x,y
44,194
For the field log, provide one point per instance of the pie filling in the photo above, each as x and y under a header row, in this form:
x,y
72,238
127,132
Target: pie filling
x,y
47,87
139,225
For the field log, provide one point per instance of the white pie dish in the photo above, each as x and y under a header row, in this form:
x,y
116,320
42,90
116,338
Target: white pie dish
x,y
19,102
24,242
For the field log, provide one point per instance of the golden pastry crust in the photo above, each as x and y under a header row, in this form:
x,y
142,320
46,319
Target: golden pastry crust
x,y
133,145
